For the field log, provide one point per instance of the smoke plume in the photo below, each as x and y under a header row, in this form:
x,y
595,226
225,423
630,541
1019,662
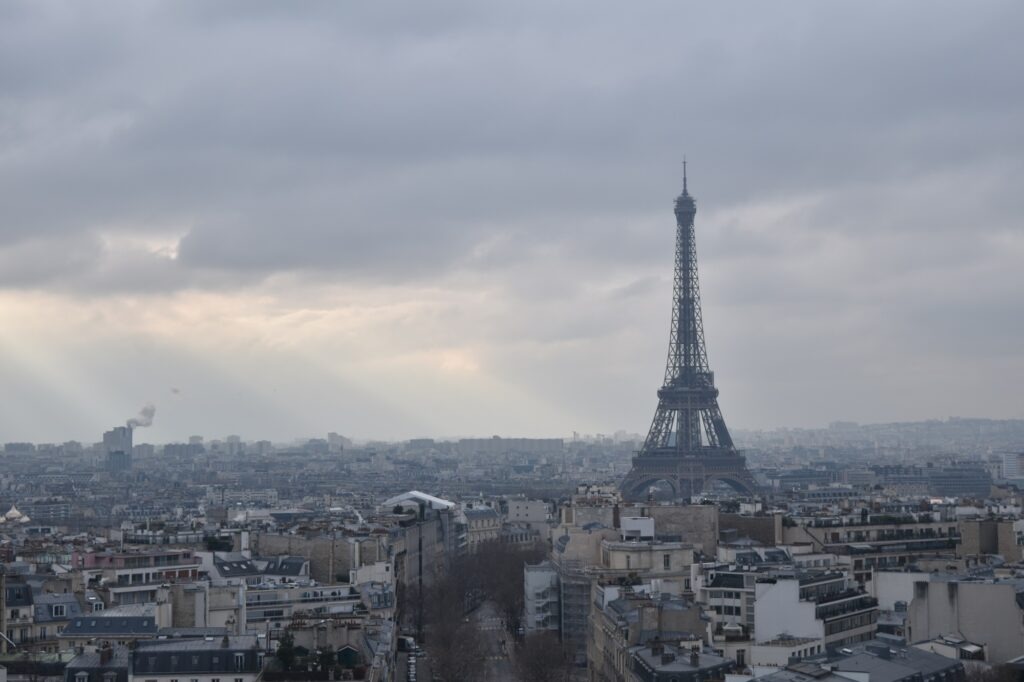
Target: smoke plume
x,y
145,417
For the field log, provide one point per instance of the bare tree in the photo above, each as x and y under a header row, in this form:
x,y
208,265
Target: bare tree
x,y
500,568
543,658
456,650
984,673
494,573
455,645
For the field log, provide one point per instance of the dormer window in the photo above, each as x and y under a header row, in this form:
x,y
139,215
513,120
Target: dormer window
x,y
59,610
82,677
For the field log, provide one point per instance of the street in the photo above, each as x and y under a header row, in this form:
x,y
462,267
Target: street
x,y
498,665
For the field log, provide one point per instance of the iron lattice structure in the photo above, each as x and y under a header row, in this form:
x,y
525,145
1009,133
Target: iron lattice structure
x,y
689,444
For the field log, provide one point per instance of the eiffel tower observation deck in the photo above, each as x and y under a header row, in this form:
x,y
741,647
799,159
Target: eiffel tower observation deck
x,y
689,446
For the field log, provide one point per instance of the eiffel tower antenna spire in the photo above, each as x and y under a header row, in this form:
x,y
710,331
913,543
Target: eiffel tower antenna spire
x,y
684,175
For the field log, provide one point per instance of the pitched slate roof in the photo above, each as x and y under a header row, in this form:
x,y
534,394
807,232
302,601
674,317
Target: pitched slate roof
x,y
485,513
284,565
232,564
197,655
133,620
44,603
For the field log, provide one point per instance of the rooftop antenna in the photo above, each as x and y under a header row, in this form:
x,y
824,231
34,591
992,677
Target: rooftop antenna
x,y
684,174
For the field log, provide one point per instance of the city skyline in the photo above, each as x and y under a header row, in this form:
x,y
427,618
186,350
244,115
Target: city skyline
x,y
283,222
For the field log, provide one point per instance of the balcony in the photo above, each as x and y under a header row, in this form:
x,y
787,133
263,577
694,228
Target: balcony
x,y
843,604
896,546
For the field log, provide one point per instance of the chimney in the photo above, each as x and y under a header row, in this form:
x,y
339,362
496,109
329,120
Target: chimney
x,y
695,658
106,654
616,517
667,658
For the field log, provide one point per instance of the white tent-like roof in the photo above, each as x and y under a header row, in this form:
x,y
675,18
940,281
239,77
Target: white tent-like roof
x,y
417,497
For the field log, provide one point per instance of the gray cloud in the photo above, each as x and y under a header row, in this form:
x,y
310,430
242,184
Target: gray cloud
x,y
855,169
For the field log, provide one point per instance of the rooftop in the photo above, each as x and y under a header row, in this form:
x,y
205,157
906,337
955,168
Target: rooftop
x,y
234,642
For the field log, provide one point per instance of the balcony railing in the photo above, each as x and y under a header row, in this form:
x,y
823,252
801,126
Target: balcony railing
x,y
836,607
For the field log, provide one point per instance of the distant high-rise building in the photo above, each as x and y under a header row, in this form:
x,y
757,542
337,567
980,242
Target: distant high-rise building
x,y
233,445
337,442
1013,465
960,480
119,461
118,439
118,446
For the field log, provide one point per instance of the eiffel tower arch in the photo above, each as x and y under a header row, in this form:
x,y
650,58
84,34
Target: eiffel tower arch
x,y
688,446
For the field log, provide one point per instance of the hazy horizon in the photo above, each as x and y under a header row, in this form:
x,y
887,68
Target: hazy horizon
x,y
362,439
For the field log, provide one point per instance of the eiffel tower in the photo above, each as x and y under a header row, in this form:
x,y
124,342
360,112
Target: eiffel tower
x,y
688,446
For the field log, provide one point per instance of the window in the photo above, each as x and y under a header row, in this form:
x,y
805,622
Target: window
x,y
59,610
666,561
628,558
82,677
239,662
42,632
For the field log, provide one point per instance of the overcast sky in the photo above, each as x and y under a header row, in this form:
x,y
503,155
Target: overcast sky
x,y
397,219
